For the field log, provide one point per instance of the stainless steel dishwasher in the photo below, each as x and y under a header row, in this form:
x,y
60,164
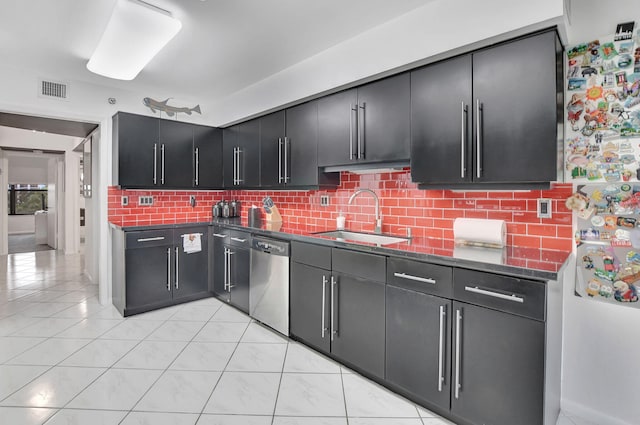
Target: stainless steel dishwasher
x,y
269,283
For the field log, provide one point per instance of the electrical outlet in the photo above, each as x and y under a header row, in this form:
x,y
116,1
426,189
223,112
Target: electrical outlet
x,y
192,200
124,201
544,208
145,201
324,200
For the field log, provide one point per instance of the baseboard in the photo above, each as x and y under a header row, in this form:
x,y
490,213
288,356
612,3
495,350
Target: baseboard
x,y
571,408
24,232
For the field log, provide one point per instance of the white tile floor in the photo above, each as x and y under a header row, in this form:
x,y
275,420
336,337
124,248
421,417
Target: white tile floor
x,y
65,359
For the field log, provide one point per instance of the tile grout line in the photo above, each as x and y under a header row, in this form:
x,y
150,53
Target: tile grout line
x,y
275,404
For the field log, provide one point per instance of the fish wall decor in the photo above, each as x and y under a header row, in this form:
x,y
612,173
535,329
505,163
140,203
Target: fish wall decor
x,y
156,105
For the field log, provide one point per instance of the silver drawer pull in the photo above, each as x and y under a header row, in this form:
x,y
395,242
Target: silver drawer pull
x,y
512,297
238,240
416,278
220,235
157,238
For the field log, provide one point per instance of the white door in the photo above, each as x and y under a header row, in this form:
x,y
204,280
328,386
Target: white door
x,y
52,203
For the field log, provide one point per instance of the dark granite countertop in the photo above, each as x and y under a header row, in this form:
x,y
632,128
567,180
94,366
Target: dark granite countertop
x,y
522,262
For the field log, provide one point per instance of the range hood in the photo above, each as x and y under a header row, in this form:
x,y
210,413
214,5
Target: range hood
x,y
381,167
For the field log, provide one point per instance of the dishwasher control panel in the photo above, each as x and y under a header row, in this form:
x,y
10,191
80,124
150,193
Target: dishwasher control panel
x,y
271,246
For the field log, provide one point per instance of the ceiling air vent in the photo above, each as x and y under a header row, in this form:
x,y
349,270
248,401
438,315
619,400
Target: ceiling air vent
x,y
53,89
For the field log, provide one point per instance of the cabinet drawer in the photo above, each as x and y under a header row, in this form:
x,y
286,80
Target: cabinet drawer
x,y
421,277
310,254
239,239
509,294
368,266
149,238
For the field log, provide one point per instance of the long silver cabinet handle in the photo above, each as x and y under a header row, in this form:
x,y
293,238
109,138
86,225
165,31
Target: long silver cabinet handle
x,y
334,327
197,165
478,139
226,267
279,160
416,278
443,316
157,238
238,240
351,111
239,166
220,235
513,297
463,132
286,159
324,294
177,269
458,353
168,269
361,135
236,179
229,285
162,164
155,163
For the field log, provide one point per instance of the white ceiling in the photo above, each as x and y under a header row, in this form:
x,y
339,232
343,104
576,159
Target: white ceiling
x,y
223,47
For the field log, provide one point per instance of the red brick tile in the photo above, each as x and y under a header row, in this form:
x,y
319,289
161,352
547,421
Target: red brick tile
x,y
475,214
487,204
513,205
526,241
557,244
464,203
541,230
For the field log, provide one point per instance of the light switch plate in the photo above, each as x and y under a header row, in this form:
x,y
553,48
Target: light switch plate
x,y
324,200
544,208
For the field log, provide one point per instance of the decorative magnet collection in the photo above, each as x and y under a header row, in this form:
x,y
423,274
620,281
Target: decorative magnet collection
x,y
608,241
603,109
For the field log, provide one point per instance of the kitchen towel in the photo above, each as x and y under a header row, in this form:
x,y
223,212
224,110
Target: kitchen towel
x,y
191,243
480,232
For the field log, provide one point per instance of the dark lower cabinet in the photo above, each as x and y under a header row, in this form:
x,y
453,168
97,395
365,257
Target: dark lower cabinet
x,y
357,322
499,367
155,271
339,311
310,305
418,344
230,262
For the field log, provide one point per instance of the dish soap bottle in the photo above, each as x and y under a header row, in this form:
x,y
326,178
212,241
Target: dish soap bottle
x,y
340,220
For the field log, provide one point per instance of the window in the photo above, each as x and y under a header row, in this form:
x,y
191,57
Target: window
x,y
26,199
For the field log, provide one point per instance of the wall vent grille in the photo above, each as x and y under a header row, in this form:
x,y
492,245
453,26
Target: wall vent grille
x,y
53,89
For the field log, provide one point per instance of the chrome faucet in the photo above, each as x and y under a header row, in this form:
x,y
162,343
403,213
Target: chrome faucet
x,y
378,228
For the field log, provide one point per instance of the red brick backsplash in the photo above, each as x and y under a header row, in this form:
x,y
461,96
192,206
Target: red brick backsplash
x,y
429,213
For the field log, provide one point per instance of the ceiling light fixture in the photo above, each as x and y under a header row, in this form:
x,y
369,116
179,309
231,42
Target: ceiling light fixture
x,y
136,32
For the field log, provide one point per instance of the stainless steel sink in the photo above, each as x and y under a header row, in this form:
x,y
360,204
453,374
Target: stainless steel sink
x,y
345,235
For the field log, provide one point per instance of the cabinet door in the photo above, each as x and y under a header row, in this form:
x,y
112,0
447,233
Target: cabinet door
x,y
272,148
218,262
302,145
384,111
137,141
249,156
309,305
501,367
148,277
239,262
229,145
191,269
441,112
207,144
418,344
359,332
176,162
337,128
515,85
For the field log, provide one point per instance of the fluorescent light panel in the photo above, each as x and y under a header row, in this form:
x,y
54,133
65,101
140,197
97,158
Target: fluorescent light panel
x,y
136,32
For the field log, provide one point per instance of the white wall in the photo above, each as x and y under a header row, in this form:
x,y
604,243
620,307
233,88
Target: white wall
x,y
427,32
21,224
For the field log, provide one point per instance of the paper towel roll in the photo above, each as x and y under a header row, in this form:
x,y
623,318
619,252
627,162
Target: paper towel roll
x,y
482,255
476,231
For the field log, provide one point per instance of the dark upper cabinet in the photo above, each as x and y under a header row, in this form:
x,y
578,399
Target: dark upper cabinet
x,y
176,154
301,149
517,123
273,150
135,150
366,125
207,146
499,371
150,153
336,128
441,122
475,120
241,155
